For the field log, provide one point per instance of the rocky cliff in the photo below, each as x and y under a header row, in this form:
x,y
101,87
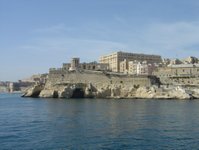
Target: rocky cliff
x,y
112,91
93,85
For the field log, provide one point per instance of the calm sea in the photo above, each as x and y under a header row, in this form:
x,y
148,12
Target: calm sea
x,y
27,123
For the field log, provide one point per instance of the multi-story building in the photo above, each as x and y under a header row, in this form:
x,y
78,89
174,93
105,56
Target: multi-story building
x,y
141,68
132,67
116,58
124,66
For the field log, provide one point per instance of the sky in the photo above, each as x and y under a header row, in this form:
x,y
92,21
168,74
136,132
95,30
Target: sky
x,y
36,35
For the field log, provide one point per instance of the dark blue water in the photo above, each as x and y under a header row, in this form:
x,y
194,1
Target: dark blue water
x,y
27,123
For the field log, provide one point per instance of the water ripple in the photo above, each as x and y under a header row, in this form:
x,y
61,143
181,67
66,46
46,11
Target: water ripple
x,y
97,124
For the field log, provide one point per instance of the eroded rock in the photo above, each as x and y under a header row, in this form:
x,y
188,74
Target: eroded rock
x,y
33,91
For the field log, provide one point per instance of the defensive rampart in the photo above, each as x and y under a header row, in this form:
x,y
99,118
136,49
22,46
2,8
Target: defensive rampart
x,y
96,84
98,78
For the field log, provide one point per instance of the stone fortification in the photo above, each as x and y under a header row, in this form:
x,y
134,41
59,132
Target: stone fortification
x,y
182,74
90,84
98,78
175,82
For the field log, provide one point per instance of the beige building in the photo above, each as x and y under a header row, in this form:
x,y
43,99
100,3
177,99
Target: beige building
x,y
76,65
116,58
133,67
94,66
141,68
182,74
124,66
181,70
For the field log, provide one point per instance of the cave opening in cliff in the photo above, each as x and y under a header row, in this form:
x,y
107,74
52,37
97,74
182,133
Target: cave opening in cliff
x,y
36,94
78,93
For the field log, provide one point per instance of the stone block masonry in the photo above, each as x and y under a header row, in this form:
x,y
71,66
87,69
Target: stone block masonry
x,y
98,78
96,84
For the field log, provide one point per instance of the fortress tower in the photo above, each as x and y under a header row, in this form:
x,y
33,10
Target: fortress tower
x,y
74,64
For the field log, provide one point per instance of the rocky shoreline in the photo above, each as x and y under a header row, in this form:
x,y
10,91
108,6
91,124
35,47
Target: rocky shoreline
x,y
92,84
79,90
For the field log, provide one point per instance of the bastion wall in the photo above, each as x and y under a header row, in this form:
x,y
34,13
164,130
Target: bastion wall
x,y
97,79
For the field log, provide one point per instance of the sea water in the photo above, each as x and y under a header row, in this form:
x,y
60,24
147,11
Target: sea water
x,y
27,123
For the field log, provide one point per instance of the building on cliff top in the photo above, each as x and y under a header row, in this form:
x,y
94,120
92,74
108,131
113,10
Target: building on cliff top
x,y
76,65
179,74
179,70
137,68
116,58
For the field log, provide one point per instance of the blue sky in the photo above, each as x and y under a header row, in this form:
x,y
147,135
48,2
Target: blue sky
x,y
38,34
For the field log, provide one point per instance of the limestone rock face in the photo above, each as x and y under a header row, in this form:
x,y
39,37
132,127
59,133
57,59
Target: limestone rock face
x,y
66,92
110,91
145,92
33,91
115,92
48,93
157,93
90,91
195,93
180,93
103,92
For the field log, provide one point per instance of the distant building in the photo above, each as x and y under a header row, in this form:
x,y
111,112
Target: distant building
x,y
176,62
133,67
191,60
76,65
94,66
141,68
39,78
180,70
124,66
66,66
116,58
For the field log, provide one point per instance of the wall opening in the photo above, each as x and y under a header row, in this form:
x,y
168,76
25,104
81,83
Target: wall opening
x,y
78,93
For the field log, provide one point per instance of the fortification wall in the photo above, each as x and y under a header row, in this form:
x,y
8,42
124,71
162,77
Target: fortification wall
x,y
187,81
97,79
